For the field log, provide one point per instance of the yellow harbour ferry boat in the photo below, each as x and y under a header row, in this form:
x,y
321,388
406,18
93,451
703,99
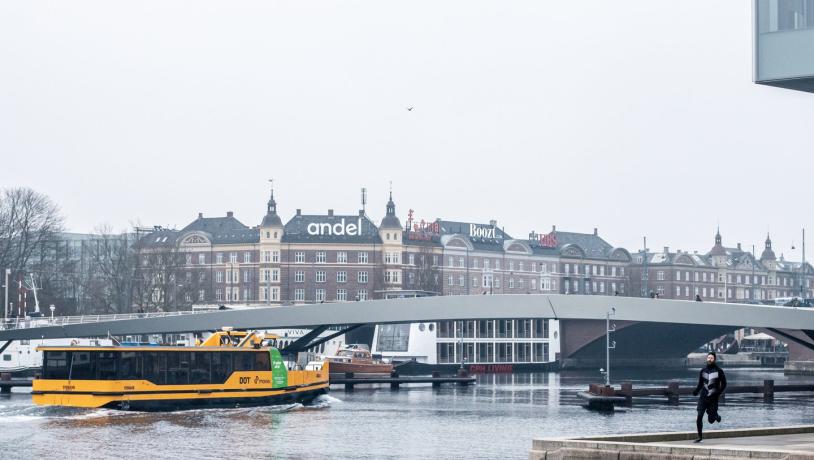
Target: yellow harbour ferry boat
x,y
229,369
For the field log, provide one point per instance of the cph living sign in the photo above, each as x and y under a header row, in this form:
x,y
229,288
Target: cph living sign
x,y
341,228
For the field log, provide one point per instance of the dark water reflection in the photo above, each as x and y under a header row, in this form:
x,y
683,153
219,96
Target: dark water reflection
x,y
496,418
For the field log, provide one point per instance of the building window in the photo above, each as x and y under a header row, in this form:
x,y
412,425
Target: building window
x,y
361,277
233,257
299,257
201,295
299,276
411,259
474,263
497,283
228,276
247,257
264,292
266,256
686,291
341,257
320,276
218,277
319,295
188,259
660,275
275,275
511,283
299,295
342,295
686,276
219,258
451,280
451,261
342,277
201,259
321,257
362,257
265,276
461,262
218,295
275,293
678,276
461,281
533,284
497,265
660,290
275,256
247,276
361,294
678,291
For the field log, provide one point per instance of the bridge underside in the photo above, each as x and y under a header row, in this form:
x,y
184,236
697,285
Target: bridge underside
x,y
649,344
638,344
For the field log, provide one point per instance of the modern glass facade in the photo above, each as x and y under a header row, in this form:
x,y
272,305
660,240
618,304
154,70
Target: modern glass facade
x,y
784,43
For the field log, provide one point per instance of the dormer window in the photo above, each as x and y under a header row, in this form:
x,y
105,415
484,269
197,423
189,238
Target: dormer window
x,y
388,236
268,234
275,235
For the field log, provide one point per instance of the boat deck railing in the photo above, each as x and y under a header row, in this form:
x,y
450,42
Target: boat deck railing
x,y
28,322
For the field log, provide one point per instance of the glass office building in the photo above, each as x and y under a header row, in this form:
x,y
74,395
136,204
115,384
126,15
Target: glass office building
x,y
784,43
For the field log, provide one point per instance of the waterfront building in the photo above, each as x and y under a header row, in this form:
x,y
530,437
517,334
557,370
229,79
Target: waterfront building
x,y
723,274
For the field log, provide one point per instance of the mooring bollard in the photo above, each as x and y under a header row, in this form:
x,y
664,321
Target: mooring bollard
x,y
394,375
768,391
672,392
348,385
627,392
463,373
436,375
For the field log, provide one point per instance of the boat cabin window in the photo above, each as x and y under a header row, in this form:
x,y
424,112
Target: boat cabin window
x,y
158,367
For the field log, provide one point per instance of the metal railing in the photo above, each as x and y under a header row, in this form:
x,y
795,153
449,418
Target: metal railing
x,y
28,322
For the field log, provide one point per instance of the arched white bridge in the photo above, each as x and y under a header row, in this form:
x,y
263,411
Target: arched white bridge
x,y
443,308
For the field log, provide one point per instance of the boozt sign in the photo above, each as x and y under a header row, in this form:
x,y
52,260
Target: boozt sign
x,y
338,229
478,231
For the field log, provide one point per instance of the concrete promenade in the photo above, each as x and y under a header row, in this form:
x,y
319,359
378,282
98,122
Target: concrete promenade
x,y
789,443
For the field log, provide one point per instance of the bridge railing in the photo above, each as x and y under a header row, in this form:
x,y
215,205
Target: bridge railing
x,y
27,322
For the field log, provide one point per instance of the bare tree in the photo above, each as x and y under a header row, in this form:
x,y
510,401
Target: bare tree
x,y
107,279
27,220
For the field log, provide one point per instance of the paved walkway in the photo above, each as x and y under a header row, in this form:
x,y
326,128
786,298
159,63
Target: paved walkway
x,y
799,442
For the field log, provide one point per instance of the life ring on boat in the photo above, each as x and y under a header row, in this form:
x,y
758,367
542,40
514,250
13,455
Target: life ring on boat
x,y
74,342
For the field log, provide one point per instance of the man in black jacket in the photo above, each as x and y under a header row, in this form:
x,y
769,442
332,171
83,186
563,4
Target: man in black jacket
x,y
711,384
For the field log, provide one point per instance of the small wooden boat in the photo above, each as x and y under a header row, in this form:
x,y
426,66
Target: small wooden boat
x,y
357,359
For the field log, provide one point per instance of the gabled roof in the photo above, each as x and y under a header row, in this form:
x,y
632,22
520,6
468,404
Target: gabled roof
x,y
592,245
450,227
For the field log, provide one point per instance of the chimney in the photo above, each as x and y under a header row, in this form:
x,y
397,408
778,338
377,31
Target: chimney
x,y
493,223
553,228
666,249
200,215
330,213
299,212
596,231
361,213
739,246
230,214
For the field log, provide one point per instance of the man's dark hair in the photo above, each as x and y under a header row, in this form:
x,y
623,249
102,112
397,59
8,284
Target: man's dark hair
x,y
713,354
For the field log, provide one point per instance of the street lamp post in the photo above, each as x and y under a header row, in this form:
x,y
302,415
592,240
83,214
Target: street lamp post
x,y
5,304
52,308
609,345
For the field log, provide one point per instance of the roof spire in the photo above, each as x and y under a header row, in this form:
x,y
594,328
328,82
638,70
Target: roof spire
x,y
272,205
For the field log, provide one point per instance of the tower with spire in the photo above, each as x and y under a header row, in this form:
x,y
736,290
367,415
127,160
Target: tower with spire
x,y
718,252
271,234
392,246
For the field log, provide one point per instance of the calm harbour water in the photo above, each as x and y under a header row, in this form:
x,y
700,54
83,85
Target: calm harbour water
x,y
497,418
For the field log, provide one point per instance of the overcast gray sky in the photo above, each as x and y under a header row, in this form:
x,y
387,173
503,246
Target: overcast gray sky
x,y
637,117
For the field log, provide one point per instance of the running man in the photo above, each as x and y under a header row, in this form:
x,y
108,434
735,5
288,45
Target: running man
x,y
711,384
